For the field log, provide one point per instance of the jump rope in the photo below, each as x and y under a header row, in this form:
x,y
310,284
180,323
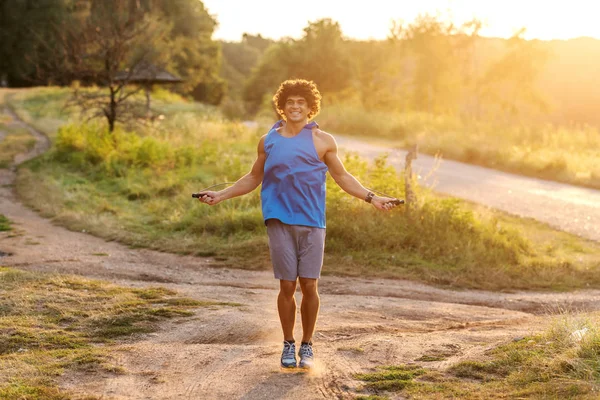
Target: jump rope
x,y
202,192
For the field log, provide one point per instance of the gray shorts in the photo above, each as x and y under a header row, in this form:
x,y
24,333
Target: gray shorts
x,y
296,251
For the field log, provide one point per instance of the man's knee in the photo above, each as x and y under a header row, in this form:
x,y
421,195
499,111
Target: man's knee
x,y
287,288
309,286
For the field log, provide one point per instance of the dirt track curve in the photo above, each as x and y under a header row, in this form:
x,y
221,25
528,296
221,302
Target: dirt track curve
x,y
233,352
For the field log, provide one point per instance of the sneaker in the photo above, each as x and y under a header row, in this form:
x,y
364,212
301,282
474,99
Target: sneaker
x,y
306,355
288,356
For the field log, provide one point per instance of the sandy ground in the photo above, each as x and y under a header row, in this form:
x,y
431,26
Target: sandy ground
x,y
233,352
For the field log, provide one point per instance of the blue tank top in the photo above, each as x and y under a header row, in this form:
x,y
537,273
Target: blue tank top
x,y
293,186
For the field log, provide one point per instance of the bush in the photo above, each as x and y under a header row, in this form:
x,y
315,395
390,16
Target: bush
x,y
441,231
90,145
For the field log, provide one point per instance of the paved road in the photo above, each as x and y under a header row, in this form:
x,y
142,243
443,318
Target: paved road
x,y
570,208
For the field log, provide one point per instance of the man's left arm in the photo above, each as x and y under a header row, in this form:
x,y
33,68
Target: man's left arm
x,y
347,181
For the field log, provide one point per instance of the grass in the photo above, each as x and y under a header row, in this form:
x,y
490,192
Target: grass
x,y
15,141
134,187
355,349
560,153
436,355
50,324
391,378
47,109
43,108
556,364
5,224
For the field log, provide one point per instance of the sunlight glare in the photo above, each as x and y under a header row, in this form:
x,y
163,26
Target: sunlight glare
x,y
272,19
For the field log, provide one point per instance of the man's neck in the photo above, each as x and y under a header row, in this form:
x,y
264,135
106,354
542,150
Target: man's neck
x,y
294,128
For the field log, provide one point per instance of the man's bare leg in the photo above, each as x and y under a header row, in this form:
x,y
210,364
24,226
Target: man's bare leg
x,y
286,305
309,308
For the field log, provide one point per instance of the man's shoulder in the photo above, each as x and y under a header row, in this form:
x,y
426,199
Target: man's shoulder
x,y
261,143
321,134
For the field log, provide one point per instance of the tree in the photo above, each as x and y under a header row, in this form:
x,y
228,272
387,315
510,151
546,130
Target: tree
x,y
381,79
270,71
196,57
509,82
322,58
430,42
113,36
27,38
239,58
319,56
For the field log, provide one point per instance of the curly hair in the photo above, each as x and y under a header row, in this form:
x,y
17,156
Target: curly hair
x,y
298,87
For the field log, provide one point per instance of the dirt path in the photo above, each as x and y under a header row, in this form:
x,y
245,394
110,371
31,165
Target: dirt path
x,y
233,352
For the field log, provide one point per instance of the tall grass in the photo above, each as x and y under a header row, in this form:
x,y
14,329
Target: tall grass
x,y
562,153
135,187
137,190
127,161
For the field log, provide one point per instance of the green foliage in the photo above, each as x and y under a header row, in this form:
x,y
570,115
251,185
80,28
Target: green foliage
x,y
5,224
195,56
442,232
321,57
432,44
238,60
22,24
86,146
430,65
135,188
509,83
321,45
267,75
433,65
377,83
124,165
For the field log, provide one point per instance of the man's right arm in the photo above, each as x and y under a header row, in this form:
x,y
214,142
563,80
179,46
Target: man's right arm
x,y
245,184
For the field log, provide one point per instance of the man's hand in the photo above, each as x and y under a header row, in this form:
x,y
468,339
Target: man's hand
x,y
383,203
211,198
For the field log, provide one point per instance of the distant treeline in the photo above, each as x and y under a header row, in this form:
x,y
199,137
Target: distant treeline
x,y
428,65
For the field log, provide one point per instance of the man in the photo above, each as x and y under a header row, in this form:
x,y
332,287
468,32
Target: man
x,y
292,161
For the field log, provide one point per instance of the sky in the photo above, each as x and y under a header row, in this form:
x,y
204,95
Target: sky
x,y
371,19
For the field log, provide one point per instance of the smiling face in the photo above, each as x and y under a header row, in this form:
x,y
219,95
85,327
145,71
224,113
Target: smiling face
x,y
296,109
287,100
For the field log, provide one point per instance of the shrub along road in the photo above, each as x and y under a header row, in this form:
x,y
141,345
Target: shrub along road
x,y
569,208
233,352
